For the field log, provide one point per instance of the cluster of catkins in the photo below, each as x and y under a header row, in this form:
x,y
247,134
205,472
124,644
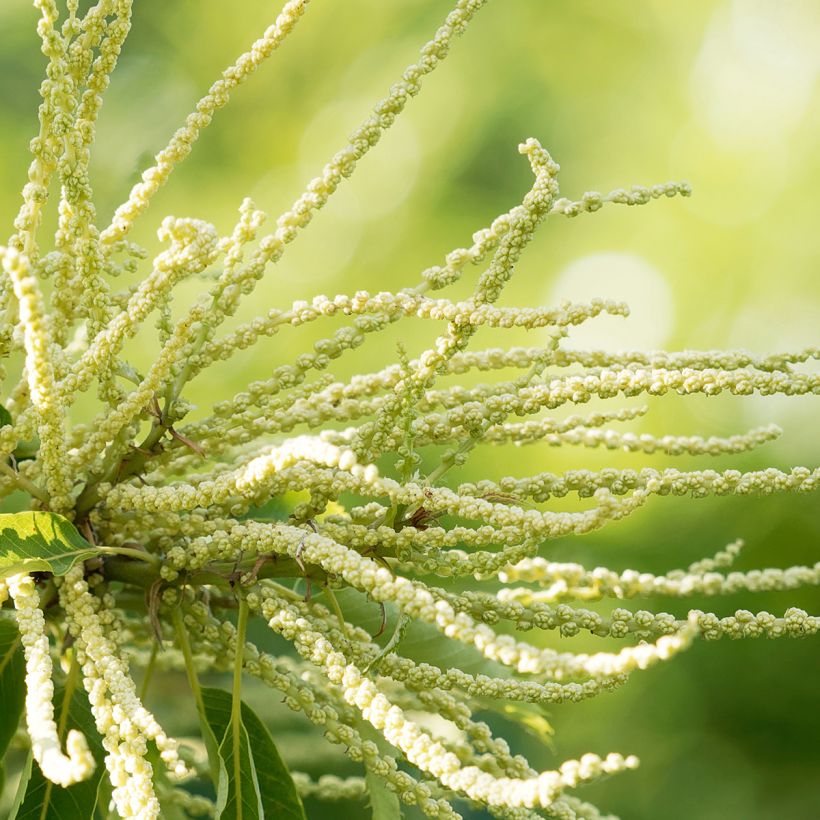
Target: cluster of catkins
x,y
176,501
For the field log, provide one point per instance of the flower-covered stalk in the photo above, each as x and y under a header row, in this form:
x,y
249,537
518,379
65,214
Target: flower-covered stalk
x,y
45,741
188,513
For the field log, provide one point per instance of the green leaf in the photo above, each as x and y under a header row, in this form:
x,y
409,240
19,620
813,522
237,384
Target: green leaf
x,y
219,774
5,416
44,800
527,715
27,450
384,804
40,542
22,786
392,645
104,795
274,509
12,682
419,641
266,787
244,802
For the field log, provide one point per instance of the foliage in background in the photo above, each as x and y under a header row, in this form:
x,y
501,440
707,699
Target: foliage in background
x,y
175,536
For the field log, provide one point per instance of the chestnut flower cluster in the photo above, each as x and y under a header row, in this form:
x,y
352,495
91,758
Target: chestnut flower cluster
x,y
180,499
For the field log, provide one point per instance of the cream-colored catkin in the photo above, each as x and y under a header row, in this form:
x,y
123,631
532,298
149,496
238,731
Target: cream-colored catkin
x,y
80,271
104,655
45,399
321,709
563,581
62,769
56,93
322,501
637,195
426,753
217,97
330,787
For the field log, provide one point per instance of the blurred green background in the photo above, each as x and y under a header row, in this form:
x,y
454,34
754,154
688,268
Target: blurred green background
x,y
724,94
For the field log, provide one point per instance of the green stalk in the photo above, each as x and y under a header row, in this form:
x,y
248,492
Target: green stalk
x,y
130,552
236,702
217,770
185,646
145,571
334,603
24,484
149,671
